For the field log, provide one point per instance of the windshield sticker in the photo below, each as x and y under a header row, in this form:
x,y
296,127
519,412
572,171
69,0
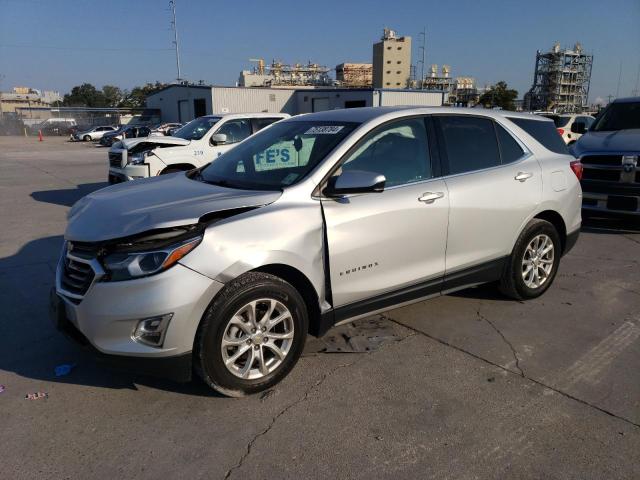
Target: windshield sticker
x,y
289,179
328,130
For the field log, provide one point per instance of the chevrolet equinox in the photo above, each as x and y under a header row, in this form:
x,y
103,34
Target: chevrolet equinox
x,y
316,220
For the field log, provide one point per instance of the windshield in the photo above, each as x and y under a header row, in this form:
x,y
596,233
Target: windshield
x,y
559,120
196,129
618,116
278,156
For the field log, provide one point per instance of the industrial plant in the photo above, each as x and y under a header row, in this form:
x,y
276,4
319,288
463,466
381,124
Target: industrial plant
x,y
561,80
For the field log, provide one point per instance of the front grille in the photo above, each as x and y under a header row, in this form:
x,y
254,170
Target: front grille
x,y
609,160
604,175
115,159
77,274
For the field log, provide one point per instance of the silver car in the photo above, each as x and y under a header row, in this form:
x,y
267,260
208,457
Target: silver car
x,y
94,133
318,220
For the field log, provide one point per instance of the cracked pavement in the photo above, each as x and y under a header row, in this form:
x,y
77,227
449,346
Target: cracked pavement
x,y
469,385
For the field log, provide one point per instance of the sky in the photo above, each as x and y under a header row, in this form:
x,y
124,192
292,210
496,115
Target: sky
x,y
56,44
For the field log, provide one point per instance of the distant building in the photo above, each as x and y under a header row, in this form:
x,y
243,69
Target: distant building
x,y
25,97
279,74
464,92
183,103
354,75
392,61
561,80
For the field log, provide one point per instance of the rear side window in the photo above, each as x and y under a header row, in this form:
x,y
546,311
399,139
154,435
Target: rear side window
x,y
543,132
510,151
470,143
260,123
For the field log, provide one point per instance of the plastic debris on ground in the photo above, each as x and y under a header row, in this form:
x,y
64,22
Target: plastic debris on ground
x,y
36,396
2,388
64,369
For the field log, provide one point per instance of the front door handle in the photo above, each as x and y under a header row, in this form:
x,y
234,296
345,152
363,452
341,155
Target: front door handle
x,y
523,176
430,197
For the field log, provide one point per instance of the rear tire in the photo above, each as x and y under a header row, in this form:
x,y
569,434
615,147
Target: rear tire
x,y
251,336
533,263
86,138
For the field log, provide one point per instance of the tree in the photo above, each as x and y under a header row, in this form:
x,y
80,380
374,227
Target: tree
x,y
137,97
499,95
113,96
85,95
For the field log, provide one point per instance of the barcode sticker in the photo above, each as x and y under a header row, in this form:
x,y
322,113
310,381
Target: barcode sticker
x,y
328,130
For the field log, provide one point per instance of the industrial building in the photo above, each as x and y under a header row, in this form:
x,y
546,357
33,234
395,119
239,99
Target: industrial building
x,y
26,97
561,80
392,61
182,103
281,74
354,75
464,92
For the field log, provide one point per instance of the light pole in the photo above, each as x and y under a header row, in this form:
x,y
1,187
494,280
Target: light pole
x,y
172,5
423,33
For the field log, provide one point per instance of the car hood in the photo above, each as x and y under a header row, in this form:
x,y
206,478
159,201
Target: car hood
x,y
166,201
616,142
129,143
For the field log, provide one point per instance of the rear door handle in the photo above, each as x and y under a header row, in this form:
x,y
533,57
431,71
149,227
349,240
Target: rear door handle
x,y
430,197
523,176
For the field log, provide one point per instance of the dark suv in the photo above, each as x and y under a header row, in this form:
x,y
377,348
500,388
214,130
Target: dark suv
x,y
609,153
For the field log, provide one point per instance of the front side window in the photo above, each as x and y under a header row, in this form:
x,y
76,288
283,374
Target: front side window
x,y
278,156
470,143
236,130
196,129
398,150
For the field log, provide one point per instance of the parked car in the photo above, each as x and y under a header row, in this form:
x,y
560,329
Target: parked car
x,y
92,133
609,153
127,131
173,130
197,143
164,128
567,125
55,126
317,220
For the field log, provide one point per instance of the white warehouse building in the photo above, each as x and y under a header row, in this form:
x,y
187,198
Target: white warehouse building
x,y
183,103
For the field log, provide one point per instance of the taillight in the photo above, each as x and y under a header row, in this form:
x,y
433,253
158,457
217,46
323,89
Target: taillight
x,y
560,131
576,166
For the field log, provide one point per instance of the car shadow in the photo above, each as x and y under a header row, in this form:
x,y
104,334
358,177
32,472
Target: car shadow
x,y
67,196
31,347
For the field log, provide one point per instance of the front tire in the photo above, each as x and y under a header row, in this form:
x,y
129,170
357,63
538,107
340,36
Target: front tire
x,y
251,336
534,261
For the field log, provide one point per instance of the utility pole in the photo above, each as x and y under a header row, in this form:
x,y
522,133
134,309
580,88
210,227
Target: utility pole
x,y
619,79
635,91
174,25
423,33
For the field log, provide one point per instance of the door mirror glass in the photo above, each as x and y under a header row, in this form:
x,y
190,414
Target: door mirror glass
x,y
218,139
578,127
354,181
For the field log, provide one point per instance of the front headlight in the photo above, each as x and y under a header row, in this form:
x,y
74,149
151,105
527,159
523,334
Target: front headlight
x,y
128,265
138,158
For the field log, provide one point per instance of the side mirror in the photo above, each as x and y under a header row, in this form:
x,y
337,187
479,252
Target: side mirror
x,y
218,139
354,181
578,127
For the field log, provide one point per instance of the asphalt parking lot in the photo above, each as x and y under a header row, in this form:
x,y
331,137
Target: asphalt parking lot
x,y
466,386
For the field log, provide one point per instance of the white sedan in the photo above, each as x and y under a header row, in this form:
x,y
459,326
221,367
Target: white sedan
x,y
92,134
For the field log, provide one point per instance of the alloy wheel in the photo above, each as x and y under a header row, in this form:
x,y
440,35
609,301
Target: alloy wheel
x,y
537,262
257,339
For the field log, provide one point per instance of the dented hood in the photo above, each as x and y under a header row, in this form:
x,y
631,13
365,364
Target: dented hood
x,y
160,202
129,143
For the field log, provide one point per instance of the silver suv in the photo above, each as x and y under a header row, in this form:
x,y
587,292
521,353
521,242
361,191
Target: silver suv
x,y
317,220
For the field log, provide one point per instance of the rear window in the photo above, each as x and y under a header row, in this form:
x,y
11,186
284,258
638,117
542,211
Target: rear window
x,y
543,132
559,121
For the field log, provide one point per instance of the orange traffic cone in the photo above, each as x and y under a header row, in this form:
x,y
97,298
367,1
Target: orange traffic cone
x,y
39,135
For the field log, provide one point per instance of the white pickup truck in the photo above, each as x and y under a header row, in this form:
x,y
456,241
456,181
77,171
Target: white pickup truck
x,y
197,143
